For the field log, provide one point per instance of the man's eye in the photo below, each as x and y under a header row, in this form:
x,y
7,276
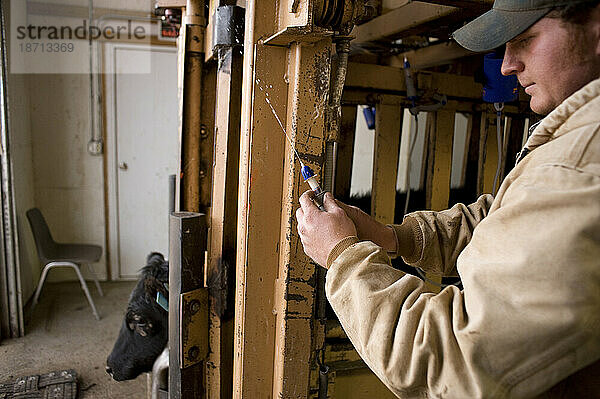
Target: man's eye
x,y
524,41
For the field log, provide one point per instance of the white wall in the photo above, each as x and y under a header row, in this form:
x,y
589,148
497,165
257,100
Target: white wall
x,y
53,171
69,183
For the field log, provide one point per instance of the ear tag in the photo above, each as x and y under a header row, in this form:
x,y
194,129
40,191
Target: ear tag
x,y
162,301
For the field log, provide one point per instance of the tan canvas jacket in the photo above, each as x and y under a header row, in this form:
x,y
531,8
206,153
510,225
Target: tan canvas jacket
x,y
529,259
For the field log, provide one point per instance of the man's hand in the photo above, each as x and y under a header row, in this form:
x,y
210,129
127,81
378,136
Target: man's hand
x,y
369,229
321,231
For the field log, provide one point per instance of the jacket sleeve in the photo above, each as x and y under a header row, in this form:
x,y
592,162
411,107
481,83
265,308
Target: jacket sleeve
x,y
529,313
444,234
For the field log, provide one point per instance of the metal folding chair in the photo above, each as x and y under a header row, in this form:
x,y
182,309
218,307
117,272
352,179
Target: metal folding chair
x,y
54,254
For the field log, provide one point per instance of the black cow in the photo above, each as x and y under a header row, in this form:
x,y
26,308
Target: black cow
x,y
144,332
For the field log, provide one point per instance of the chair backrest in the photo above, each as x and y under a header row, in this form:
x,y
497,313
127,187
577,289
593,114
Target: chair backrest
x,y
46,246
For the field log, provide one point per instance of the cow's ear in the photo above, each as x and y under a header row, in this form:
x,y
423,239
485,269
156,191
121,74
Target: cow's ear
x,y
152,285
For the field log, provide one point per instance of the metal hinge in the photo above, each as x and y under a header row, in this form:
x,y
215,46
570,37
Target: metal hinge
x,y
194,327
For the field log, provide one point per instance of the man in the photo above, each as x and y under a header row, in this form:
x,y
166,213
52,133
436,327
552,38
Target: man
x,y
527,322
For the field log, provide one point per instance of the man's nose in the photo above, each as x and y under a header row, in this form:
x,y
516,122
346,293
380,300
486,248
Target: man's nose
x,y
511,63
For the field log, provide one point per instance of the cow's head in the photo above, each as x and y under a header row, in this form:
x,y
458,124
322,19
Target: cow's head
x,y
145,331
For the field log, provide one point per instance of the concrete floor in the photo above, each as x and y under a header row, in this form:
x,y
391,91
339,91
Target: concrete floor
x,y
62,333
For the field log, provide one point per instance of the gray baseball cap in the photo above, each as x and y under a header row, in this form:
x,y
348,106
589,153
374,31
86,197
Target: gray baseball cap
x,y
506,20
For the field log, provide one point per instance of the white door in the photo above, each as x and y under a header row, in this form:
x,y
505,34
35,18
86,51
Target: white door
x,y
142,151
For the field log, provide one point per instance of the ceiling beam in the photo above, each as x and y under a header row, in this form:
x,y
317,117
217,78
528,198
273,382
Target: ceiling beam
x,y
406,17
433,55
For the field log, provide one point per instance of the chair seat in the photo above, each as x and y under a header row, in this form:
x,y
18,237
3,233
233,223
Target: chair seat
x,y
76,253
65,255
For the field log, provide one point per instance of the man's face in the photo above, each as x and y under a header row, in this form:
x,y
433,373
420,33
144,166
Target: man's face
x,y
552,61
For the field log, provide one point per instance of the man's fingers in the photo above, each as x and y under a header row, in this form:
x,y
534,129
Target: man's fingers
x,y
306,200
299,215
329,202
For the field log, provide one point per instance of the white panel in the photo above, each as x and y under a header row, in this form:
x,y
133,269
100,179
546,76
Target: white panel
x,y
362,163
145,129
459,150
416,158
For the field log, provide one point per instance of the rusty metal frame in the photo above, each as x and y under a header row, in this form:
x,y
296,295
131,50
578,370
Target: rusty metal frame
x,y
274,341
388,125
223,229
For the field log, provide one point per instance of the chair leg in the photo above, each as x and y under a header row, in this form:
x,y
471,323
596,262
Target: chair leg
x,y
40,285
86,290
95,279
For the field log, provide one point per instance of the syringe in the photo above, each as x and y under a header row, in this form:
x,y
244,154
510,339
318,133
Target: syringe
x,y
311,179
307,173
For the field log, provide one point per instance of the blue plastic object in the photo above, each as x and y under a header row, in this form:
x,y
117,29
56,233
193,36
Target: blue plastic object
x,y
498,88
369,113
307,172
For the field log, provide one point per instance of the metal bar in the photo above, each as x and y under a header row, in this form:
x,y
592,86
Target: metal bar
x,y
433,55
391,79
440,150
12,282
187,243
491,155
472,155
309,73
224,219
483,133
439,167
192,47
259,210
207,127
514,142
393,23
388,125
505,136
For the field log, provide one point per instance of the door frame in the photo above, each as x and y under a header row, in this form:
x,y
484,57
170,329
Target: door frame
x,y
110,109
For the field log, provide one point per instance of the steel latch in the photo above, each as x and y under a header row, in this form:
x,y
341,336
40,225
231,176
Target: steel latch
x,y
228,27
194,327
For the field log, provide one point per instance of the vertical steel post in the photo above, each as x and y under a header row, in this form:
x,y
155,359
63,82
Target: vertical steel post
x,y
228,30
191,47
388,125
259,204
188,319
10,277
275,282
309,73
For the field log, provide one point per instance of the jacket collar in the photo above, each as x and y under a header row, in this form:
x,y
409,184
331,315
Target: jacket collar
x,y
560,121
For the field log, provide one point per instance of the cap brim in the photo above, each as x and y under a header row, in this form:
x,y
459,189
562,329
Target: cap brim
x,y
495,28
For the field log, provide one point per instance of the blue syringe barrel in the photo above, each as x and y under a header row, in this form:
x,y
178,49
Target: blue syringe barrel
x,y
309,176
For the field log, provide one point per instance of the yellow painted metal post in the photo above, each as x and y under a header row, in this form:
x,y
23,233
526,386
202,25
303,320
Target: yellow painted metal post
x,y
259,203
483,135
191,59
491,156
309,83
388,125
223,227
441,138
440,160
283,85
